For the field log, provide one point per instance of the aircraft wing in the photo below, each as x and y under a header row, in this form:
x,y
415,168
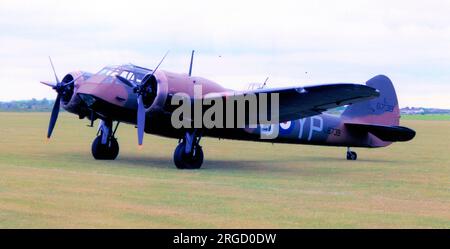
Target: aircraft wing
x,y
301,102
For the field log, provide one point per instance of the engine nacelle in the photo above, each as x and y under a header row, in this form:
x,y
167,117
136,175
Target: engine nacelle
x,y
70,101
155,94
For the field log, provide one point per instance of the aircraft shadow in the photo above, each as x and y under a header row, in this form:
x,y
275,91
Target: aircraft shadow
x,y
300,165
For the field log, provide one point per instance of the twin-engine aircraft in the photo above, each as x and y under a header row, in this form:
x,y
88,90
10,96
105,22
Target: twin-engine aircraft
x,y
143,97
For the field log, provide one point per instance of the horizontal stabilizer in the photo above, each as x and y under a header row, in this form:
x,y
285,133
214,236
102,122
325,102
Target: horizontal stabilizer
x,y
385,133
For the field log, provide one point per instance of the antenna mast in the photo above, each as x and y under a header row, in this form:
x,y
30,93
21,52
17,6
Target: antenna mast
x,y
265,82
192,60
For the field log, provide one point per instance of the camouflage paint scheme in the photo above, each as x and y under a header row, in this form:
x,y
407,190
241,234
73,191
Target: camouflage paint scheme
x,y
106,97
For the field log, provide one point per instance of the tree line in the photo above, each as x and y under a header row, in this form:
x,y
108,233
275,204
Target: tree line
x,y
33,105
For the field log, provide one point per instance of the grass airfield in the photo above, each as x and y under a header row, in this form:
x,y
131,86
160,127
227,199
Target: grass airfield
x,y
58,184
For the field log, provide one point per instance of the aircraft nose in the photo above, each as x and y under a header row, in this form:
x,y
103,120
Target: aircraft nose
x,y
88,99
112,93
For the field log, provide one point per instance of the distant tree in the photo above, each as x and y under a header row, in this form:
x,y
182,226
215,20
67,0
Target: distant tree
x,y
34,104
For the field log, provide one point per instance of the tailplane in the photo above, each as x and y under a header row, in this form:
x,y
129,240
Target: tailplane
x,y
384,132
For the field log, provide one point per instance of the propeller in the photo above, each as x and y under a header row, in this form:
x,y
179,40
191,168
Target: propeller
x,y
140,119
141,90
60,88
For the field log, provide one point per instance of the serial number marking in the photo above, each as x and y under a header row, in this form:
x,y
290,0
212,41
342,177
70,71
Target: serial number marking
x,y
333,131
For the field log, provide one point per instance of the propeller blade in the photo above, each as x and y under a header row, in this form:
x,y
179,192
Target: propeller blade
x,y
54,116
139,89
140,119
54,71
70,82
50,84
142,87
160,62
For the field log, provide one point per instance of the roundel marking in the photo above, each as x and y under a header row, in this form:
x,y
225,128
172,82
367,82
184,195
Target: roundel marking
x,y
286,127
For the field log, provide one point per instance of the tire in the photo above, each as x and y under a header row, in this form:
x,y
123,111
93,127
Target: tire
x,y
107,151
188,161
351,155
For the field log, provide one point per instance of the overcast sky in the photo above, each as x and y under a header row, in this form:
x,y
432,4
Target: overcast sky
x,y
237,42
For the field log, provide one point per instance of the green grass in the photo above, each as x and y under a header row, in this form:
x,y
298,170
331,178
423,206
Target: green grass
x,y
443,117
57,184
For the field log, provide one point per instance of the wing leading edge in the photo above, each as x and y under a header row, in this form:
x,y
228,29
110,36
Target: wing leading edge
x,y
302,102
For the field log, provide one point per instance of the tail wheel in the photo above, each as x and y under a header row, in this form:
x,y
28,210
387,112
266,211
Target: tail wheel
x,y
185,160
108,151
351,155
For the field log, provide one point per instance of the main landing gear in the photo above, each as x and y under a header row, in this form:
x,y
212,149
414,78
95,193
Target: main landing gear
x,y
351,155
189,154
105,145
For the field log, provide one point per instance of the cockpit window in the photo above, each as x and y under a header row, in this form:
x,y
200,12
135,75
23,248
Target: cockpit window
x,y
128,75
139,77
114,73
110,73
130,72
104,71
86,75
132,76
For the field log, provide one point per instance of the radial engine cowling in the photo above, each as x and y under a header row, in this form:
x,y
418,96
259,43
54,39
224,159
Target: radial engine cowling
x,y
150,90
69,99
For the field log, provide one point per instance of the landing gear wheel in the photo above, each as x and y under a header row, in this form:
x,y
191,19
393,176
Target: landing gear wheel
x,y
351,155
108,151
185,160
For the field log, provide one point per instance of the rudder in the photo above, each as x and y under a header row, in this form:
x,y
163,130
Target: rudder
x,y
383,110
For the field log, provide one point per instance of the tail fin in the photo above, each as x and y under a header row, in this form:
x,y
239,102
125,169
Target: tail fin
x,y
383,110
